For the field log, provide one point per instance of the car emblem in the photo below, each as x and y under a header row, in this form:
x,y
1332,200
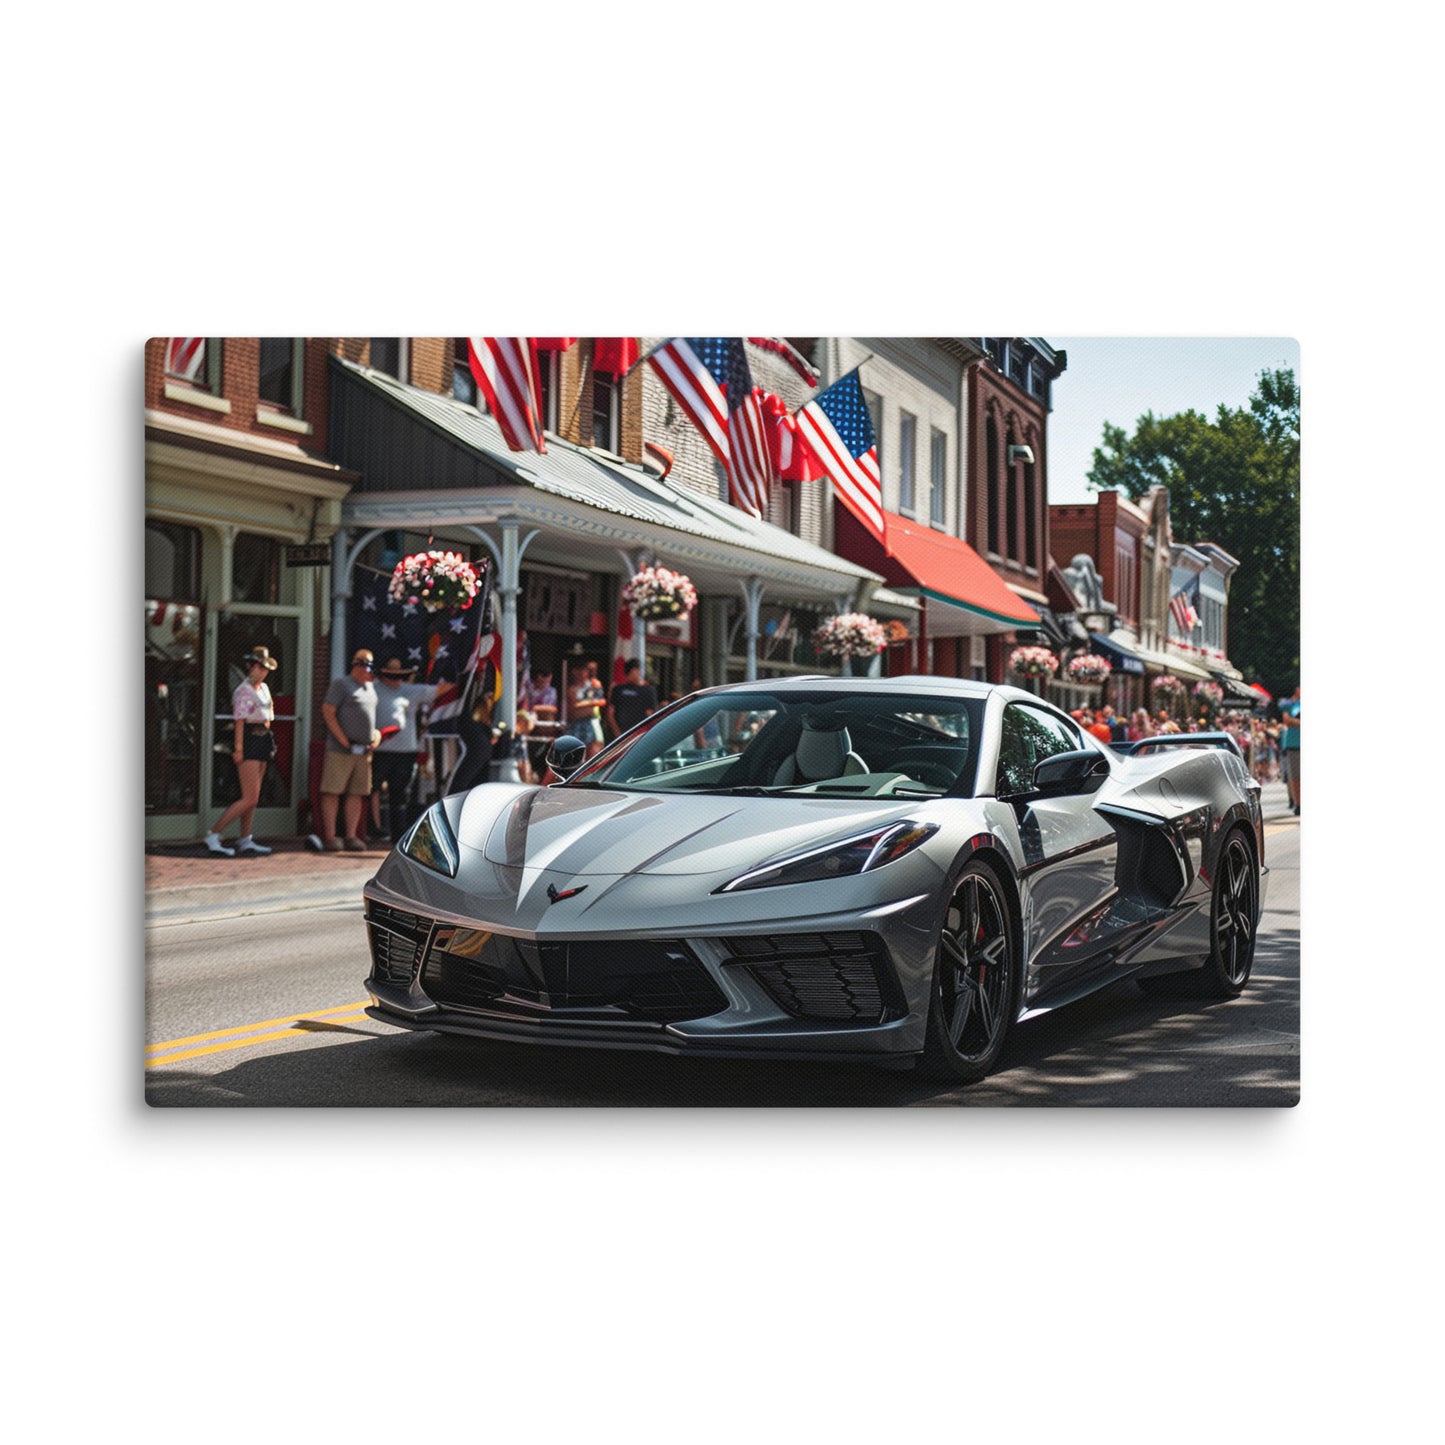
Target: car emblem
x,y
557,897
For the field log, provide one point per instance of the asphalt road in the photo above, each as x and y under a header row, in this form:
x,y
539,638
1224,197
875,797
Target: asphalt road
x,y
266,1011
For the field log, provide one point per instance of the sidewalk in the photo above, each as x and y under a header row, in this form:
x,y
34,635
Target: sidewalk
x,y
184,881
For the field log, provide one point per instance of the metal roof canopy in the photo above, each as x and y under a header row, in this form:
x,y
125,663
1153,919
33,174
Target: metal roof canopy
x,y
587,510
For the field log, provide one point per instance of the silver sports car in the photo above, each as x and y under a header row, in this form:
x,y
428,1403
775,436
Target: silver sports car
x,y
823,868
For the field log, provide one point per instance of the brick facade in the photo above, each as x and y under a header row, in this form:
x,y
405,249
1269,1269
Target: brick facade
x,y
1112,532
240,387
1008,515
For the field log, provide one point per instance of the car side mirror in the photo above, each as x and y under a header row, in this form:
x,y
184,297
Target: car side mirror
x,y
1073,772
566,755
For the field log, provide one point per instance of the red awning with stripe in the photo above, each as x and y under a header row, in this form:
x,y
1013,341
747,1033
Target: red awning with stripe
x,y
935,566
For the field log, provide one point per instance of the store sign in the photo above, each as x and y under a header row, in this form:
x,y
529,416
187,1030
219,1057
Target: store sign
x,y
308,554
671,629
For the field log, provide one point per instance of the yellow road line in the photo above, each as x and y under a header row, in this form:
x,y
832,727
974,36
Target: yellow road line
x,y
248,1028
250,1038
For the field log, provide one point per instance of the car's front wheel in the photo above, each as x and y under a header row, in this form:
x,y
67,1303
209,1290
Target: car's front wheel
x,y
975,980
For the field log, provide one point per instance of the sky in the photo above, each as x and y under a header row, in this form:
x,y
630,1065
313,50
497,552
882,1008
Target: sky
x,y
1119,378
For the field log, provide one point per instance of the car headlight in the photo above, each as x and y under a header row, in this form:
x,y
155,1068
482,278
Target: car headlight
x,y
431,842
859,854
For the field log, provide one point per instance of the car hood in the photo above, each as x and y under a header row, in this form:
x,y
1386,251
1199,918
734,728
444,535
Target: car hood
x,y
594,833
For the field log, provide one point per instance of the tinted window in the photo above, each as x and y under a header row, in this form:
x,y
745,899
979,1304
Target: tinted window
x,y
1030,735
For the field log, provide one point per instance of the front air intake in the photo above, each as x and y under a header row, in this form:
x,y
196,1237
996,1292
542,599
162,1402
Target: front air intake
x,y
831,977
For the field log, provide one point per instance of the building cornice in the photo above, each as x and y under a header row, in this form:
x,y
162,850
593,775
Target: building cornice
x,y
242,456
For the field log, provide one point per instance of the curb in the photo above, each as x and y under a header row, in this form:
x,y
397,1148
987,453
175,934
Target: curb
x,y
237,900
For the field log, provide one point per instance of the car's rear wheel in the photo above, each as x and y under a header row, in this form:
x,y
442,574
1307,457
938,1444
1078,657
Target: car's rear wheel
x,y
1233,919
975,980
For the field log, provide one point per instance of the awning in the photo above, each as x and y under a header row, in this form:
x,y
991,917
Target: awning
x,y
1238,694
1179,666
1053,628
961,593
1120,658
428,460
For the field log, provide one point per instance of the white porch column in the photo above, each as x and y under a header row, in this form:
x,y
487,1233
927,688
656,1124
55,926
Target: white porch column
x,y
635,562
508,584
752,607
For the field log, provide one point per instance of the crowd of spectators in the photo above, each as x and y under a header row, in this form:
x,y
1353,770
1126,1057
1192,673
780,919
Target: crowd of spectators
x,y
1258,738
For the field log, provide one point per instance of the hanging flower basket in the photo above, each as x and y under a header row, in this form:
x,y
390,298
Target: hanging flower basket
x,y
435,580
1209,692
851,634
656,592
1032,662
1167,685
1088,667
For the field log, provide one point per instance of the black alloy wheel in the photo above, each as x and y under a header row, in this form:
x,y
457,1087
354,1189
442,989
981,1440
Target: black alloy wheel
x,y
1233,918
975,980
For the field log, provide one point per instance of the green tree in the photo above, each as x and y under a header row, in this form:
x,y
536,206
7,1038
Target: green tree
x,y
1233,481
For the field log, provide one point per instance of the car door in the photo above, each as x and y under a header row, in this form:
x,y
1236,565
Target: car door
x,y
1070,854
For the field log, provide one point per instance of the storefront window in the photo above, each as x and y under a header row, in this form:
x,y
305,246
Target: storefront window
x,y
256,569
173,667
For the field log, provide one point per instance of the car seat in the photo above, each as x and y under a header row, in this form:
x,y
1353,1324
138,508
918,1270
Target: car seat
x,y
824,751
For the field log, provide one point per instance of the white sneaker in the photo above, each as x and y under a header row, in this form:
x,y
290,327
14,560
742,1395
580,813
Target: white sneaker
x,y
247,845
213,842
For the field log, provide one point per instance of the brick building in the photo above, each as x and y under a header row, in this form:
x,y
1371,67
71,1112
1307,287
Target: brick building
x,y
1009,399
236,477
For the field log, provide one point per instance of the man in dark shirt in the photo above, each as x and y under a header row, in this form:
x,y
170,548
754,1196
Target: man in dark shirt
x,y
631,700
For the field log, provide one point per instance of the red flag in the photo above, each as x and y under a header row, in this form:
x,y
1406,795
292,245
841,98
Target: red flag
x,y
616,355
505,368
792,457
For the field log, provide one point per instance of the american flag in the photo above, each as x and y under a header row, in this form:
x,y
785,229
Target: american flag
x,y
709,377
505,368
460,661
1181,604
390,629
836,425
184,355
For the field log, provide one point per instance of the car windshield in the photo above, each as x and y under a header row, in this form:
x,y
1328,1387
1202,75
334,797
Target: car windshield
x,y
828,743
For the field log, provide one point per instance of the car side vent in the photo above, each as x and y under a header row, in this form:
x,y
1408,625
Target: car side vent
x,y
1149,863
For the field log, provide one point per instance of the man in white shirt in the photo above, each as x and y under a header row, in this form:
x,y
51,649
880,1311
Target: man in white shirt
x,y
399,703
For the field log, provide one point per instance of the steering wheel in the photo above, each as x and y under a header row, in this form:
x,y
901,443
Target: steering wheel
x,y
926,767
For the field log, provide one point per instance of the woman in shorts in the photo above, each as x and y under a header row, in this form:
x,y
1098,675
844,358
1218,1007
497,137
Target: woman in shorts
x,y
255,746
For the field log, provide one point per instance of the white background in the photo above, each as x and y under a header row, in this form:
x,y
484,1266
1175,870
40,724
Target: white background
x,y
1114,169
